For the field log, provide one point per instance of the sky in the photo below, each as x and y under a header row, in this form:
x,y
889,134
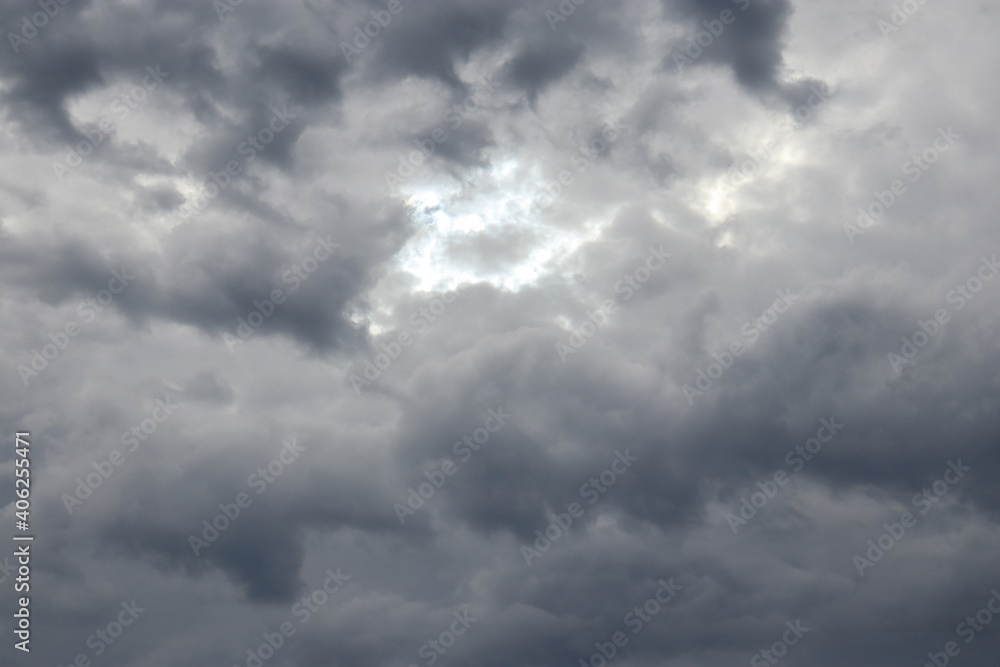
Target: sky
x,y
518,334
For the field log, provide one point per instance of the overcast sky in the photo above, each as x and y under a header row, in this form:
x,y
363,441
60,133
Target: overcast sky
x,y
513,334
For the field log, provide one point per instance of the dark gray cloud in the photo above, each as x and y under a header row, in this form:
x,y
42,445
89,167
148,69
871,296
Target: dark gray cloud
x,y
533,69
749,37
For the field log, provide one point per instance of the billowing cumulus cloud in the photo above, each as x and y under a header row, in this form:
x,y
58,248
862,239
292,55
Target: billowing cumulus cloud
x,y
484,333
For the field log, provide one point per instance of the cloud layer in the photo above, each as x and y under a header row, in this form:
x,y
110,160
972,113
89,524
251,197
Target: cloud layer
x,y
483,333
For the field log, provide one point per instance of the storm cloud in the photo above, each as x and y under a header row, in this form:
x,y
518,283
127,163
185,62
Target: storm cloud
x,y
491,333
